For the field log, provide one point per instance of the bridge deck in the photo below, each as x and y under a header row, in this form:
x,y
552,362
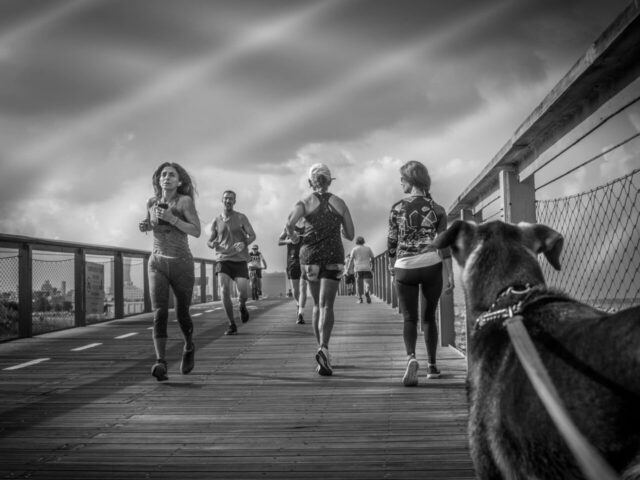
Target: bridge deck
x,y
253,407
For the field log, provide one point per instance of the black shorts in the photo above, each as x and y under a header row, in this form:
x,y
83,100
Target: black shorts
x,y
258,272
349,278
294,272
313,273
364,274
233,269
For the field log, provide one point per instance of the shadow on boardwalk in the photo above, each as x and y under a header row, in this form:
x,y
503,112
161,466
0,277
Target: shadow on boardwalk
x,y
253,407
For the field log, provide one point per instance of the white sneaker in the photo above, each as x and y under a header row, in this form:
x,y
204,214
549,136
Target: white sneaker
x,y
410,378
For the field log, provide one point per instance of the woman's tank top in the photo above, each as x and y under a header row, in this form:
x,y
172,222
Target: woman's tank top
x,y
170,241
322,243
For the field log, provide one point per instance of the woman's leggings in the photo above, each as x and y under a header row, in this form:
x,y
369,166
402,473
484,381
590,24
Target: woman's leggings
x,y
177,274
408,281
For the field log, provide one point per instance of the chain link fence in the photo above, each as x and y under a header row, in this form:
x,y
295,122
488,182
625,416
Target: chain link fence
x,y
53,292
9,306
601,257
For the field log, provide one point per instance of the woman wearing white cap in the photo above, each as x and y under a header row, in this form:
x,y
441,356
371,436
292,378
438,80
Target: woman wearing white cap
x,y
322,254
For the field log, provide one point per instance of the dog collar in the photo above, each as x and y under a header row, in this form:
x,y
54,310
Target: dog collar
x,y
510,302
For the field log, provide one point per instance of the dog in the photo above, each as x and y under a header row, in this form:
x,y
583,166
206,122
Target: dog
x,y
592,357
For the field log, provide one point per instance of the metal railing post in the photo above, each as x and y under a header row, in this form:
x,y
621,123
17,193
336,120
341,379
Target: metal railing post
x,y
25,290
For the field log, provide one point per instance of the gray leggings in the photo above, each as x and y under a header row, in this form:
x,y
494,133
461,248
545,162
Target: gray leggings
x,y
177,274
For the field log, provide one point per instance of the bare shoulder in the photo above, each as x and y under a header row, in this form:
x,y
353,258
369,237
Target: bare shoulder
x,y
151,201
338,203
310,202
185,200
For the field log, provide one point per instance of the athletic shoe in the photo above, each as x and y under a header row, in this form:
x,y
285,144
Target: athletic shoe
x,y
410,378
368,297
432,371
359,300
244,314
188,360
322,357
300,319
232,330
159,370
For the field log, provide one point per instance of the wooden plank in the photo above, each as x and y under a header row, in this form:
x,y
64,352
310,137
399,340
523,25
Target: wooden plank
x,y
253,407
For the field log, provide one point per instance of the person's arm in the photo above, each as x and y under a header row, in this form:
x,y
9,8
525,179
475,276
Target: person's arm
x,y
448,269
350,262
296,214
213,238
282,239
348,230
445,253
145,224
392,240
372,258
248,231
191,224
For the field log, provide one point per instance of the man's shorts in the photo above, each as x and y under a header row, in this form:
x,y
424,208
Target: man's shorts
x,y
233,269
349,278
364,274
294,272
258,272
313,273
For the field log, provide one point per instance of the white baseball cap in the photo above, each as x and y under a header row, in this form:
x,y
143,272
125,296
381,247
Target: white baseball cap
x,y
319,170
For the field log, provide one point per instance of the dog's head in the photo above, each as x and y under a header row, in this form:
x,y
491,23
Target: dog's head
x,y
496,255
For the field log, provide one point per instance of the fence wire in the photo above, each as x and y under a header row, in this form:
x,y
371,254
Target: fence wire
x,y
601,258
53,294
9,314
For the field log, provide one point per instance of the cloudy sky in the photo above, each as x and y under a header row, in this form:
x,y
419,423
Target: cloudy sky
x,y
247,94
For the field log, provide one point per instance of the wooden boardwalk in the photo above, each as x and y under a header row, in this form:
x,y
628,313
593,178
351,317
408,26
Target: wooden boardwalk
x,y
253,407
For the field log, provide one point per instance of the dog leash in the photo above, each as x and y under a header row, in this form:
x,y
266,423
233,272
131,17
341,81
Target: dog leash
x,y
593,466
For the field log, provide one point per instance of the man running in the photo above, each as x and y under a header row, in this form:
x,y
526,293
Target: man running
x,y
231,232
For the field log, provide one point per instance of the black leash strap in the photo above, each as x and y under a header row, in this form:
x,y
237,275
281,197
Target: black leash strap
x,y
593,466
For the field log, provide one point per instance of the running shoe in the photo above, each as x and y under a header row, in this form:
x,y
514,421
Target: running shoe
x,y
322,357
368,297
300,319
188,360
359,300
432,371
159,370
244,314
410,378
232,330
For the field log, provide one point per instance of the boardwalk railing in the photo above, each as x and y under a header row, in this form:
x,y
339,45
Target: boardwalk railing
x,y
585,133
48,285
586,128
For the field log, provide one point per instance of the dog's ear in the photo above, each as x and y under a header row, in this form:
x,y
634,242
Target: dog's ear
x,y
543,239
459,238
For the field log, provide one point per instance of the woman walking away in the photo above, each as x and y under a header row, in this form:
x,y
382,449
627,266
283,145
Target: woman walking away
x,y
414,223
322,254
171,216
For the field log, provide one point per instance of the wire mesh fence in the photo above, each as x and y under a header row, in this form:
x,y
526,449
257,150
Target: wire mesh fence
x,y
47,285
53,294
9,307
600,259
